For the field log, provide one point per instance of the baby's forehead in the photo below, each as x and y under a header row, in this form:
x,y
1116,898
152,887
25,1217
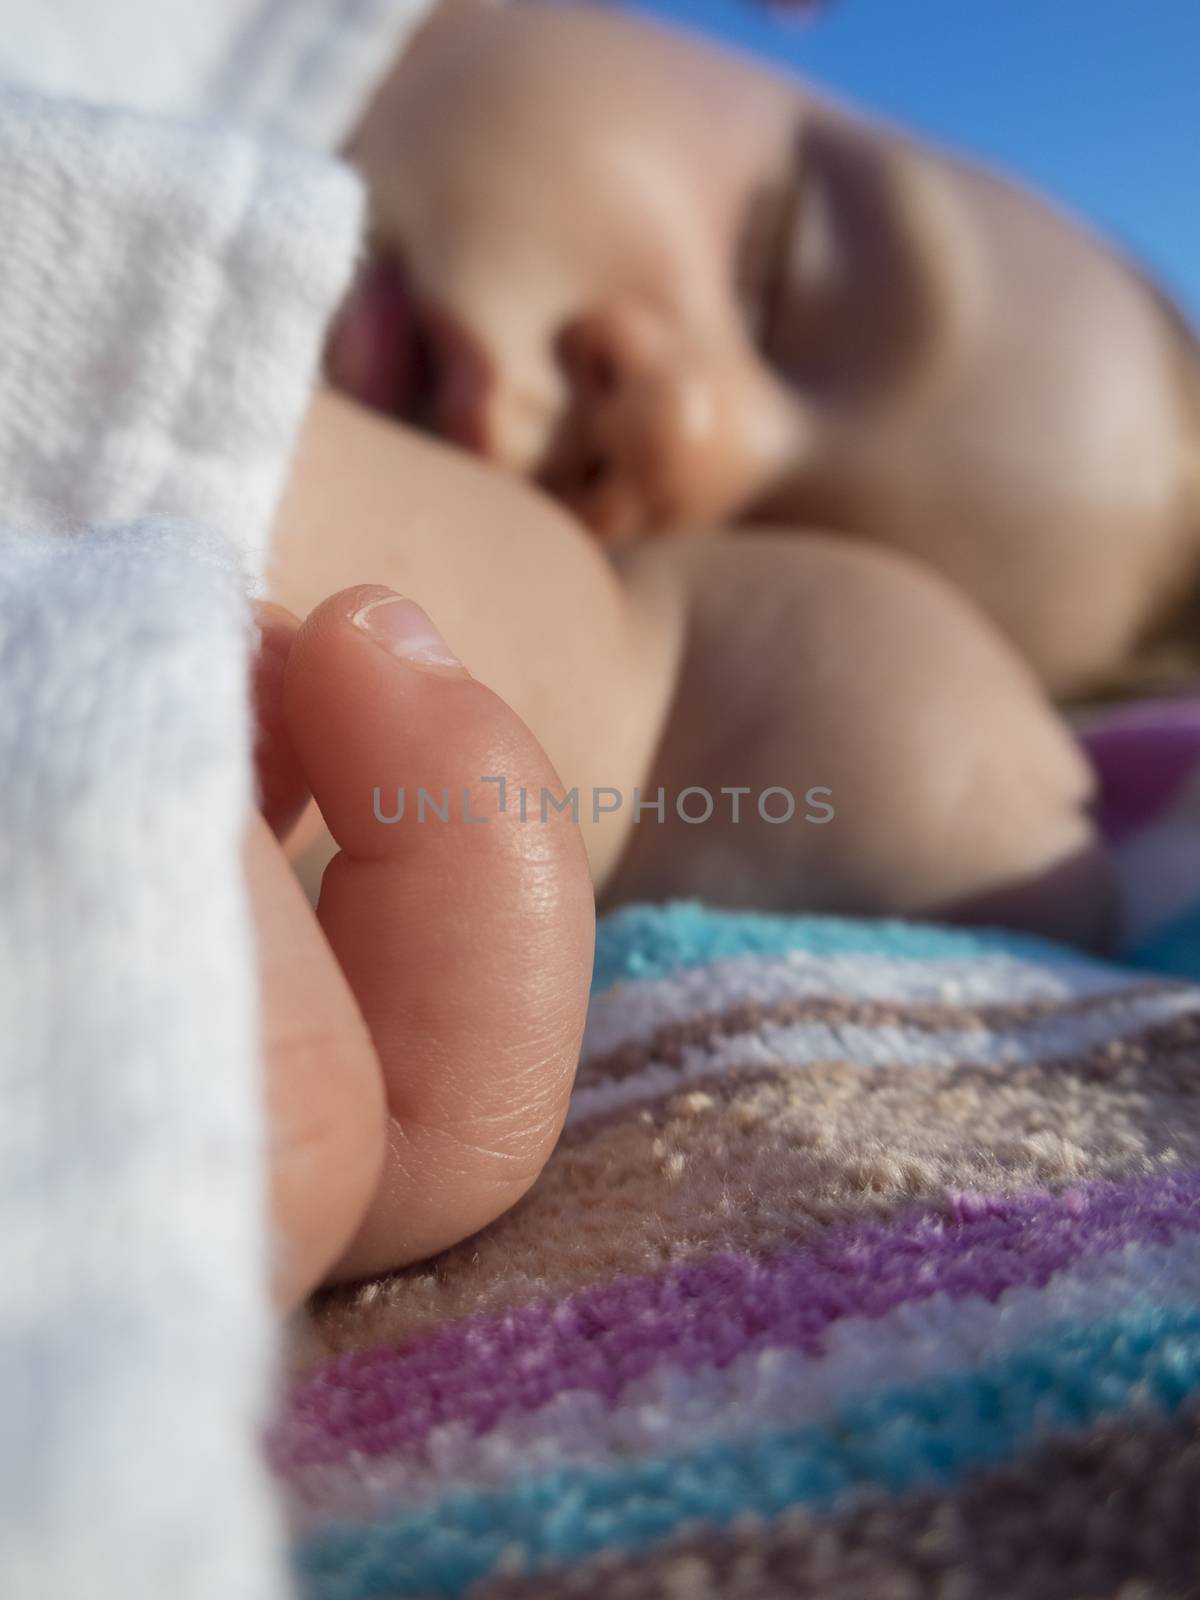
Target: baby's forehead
x,y
580,49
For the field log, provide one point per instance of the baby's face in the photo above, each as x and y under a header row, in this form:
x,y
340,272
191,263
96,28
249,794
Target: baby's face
x,y
677,289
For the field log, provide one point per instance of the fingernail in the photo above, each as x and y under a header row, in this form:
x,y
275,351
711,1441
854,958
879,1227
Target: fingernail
x,y
399,626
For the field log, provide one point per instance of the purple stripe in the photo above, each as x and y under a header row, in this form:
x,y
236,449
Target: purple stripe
x,y
1143,762
708,1313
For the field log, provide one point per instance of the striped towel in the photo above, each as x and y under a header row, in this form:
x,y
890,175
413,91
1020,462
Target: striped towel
x,y
868,1266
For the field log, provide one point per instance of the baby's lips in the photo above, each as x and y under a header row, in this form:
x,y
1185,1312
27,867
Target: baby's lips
x,y
370,355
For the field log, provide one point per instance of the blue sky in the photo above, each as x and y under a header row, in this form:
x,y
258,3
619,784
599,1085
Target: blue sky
x,y
1095,101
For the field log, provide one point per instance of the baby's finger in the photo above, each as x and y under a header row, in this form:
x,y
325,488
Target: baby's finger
x,y
282,791
465,931
325,1113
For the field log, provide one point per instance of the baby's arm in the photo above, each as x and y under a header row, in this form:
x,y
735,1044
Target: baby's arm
x,y
528,600
814,661
765,662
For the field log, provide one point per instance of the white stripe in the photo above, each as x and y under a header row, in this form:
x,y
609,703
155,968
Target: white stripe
x,y
630,1011
671,1410
776,1046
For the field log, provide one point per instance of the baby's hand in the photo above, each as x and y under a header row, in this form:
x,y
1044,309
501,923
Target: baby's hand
x,y
421,1030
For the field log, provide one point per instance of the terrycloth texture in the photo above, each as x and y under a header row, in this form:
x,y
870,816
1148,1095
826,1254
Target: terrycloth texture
x,y
134,1333
869,1266
163,294
301,68
1147,757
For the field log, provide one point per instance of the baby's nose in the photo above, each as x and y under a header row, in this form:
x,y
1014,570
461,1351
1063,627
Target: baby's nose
x,y
641,416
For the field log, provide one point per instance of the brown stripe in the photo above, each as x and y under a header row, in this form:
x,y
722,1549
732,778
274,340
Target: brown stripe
x,y
756,1165
668,1044
1110,1515
1171,1048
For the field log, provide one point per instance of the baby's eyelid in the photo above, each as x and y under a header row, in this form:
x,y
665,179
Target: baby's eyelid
x,y
751,256
764,248
795,218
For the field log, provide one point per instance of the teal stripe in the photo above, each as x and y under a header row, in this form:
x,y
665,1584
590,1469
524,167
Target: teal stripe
x,y
640,943
1174,950
900,1439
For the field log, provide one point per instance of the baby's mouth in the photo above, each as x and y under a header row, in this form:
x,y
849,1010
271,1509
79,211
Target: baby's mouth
x,y
391,350
370,355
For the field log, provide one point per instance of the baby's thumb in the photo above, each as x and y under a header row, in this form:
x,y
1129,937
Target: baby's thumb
x,y
461,914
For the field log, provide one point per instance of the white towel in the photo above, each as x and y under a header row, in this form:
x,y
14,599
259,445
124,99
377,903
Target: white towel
x,y
302,68
135,1338
164,287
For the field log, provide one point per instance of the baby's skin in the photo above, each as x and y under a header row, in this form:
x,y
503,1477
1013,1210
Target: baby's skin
x,y
421,1028
782,315
681,291
801,664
